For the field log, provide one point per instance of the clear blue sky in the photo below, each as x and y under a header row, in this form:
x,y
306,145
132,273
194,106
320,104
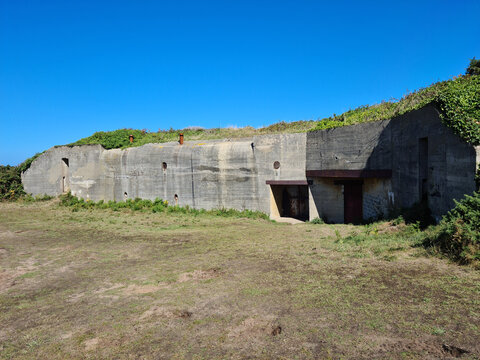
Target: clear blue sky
x,y
70,68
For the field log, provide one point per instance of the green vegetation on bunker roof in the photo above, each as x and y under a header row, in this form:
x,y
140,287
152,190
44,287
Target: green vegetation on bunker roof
x,y
457,99
120,138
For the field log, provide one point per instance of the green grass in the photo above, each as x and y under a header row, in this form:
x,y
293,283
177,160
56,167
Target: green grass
x,y
28,275
145,205
133,284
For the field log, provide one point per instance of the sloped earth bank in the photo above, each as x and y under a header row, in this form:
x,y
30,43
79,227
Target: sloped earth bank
x,y
104,284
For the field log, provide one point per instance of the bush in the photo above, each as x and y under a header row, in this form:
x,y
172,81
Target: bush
x,y
474,67
458,234
29,198
317,221
460,110
11,187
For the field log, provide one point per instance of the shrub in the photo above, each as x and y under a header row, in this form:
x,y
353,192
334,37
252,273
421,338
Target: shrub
x,y
474,67
458,234
317,221
11,187
68,200
460,110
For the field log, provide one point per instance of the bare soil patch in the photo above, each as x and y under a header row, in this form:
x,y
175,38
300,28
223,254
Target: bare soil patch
x,y
142,289
254,327
165,312
389,227
198,275
91,344
6,280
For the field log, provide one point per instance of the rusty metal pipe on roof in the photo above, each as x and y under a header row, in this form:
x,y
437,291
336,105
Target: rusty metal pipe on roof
x,y
130,137
181,139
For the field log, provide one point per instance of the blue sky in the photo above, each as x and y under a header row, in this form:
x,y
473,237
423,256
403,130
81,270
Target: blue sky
x,y
70,68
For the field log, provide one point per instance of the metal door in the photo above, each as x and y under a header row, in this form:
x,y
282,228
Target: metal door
x,y
353,209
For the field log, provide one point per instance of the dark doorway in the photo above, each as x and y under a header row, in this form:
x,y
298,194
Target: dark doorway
x,y
65,175
353,202
292,201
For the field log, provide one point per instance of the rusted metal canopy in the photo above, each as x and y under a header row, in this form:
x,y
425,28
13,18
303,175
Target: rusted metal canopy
x,y
350,174
288,182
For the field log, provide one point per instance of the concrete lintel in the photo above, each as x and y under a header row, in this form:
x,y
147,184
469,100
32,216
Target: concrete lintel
x,y
288,182
350,174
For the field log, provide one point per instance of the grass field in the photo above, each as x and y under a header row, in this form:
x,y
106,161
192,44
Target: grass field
x,y
132,285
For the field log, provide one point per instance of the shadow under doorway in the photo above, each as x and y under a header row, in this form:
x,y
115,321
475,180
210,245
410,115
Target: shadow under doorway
x,y
291,201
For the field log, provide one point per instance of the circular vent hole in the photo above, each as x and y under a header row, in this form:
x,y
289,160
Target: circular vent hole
x,y
164,165
276,165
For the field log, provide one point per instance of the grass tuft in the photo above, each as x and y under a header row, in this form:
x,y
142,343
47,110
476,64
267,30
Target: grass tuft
x,y
156,206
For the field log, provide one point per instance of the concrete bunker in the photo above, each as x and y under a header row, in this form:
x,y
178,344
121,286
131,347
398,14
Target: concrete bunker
x,y
289,198
424,160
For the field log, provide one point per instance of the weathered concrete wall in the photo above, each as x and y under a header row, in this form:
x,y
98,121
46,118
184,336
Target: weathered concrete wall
x,y
376,198
232,174
394,144
326,200
363,146
210,174
85,171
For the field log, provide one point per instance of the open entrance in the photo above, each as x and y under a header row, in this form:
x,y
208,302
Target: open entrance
x,y
289,200
65,175
353,202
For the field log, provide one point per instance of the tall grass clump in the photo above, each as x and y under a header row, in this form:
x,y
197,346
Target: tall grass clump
x,y
156,206
458,234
